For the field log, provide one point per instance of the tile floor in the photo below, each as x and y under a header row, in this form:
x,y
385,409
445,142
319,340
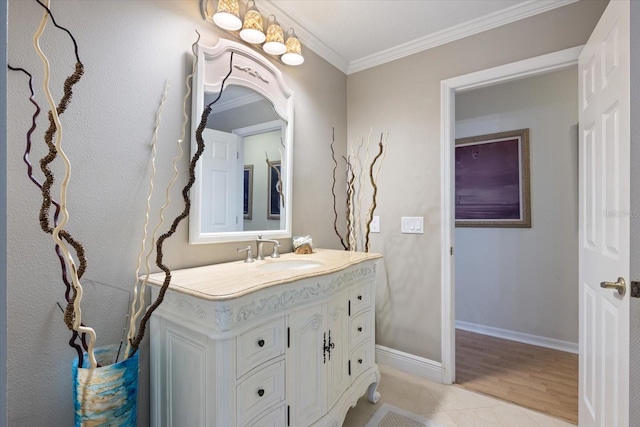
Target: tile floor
x,y
449,406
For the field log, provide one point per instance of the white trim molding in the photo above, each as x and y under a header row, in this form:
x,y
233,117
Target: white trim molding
x,y
466,29
448,89
409,363
552,343
506,16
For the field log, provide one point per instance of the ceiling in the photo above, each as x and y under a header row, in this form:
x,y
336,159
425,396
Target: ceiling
x,y
357,34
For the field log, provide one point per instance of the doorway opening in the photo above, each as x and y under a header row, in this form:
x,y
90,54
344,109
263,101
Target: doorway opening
x,y
545,64
516,283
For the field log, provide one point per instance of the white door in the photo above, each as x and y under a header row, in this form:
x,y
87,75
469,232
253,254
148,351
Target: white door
x,y
604,221
220,173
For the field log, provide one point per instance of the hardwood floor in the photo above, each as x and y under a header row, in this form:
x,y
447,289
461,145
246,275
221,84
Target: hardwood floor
x,y
534,377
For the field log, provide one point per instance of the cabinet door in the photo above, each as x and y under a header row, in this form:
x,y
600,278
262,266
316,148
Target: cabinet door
x,y
338,363
306,372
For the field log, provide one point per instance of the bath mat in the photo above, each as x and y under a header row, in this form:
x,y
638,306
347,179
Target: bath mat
x,y
390,416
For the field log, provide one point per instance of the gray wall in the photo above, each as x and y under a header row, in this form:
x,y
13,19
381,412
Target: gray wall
x,y
634,344
129,49
3,216
403,97
526,279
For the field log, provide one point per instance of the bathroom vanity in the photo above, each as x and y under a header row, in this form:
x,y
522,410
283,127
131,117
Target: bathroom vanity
x,y
279,342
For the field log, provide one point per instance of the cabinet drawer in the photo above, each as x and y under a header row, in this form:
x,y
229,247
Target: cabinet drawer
x,y
260,345
360,298
361,359
260,391
274,418
361,329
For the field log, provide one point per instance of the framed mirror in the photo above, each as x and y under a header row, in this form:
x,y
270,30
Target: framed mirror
x,y
244,176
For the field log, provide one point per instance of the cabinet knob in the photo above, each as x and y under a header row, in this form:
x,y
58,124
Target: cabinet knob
x,y
360,361
261,392
360,297
261,344
359,328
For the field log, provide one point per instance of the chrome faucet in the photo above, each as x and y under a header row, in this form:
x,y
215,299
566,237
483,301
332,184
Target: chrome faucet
x,y
261,242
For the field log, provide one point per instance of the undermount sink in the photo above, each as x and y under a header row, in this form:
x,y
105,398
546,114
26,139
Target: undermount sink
x,y
292,264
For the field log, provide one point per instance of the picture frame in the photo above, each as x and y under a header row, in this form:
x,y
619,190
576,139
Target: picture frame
x,y
492,182
247,201
273,195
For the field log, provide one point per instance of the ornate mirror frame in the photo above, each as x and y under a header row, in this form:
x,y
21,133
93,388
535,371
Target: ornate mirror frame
x,y
252,71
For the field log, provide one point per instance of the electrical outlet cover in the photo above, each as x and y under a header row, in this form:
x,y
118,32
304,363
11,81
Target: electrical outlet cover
x,y
375,224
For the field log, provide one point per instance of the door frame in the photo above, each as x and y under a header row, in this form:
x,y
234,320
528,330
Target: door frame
x,y
4,274
448,88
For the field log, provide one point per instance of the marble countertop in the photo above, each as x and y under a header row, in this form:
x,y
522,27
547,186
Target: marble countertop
x,y
230,280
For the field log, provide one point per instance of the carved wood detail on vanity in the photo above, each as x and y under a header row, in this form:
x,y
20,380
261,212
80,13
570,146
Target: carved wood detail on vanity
x,y
278,347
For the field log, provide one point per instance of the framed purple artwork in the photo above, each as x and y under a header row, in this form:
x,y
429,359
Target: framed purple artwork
x,y
492,180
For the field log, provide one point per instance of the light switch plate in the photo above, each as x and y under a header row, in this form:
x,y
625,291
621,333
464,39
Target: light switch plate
x,y
412,224
374,227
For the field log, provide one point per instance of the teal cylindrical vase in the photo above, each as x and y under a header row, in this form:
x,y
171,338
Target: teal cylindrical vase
x,y
107,395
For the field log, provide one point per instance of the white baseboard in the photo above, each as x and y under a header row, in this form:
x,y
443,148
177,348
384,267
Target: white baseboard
x,y
569,347
409,363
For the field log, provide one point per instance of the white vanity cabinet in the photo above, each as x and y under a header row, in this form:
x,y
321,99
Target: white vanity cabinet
x,y
249,344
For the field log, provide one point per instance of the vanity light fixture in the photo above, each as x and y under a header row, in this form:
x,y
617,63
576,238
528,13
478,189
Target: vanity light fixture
x,y
274,44
251,29
227,15
293,56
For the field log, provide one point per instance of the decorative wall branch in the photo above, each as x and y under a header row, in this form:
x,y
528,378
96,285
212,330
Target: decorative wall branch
x,y
185,120
25,158
357,193
77,312
187,206
351,177
355,180
374,179
46,195
333,190
137,302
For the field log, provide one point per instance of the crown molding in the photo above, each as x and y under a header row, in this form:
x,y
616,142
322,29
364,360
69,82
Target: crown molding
x,y
469,28
307,39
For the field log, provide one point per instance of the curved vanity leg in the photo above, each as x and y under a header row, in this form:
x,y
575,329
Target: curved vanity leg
x,y
372,392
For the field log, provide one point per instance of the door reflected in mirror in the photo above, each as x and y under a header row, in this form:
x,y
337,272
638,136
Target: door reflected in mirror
x,y
243,133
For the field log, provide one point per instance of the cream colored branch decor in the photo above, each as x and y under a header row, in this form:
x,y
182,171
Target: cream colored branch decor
x,y
137,302
185,119
361,171
353,229
135,343
350,180
77,311
356,183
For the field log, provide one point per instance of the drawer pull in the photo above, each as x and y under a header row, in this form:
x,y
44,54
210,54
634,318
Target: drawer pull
x,y
360,297
359,328
261,392
360,361
261,343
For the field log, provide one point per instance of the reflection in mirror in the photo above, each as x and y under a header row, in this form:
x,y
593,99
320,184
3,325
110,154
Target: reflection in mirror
x,y
245,123
243,179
